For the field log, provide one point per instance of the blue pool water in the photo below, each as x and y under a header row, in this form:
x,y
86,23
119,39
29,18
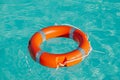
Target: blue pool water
x,y
99,19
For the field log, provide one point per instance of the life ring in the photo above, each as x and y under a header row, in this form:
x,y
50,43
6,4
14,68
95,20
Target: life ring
x,y
58,60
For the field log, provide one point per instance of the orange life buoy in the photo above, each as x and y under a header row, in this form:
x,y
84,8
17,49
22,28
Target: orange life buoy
x,y
56,60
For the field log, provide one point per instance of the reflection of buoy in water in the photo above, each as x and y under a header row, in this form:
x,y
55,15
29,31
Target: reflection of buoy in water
x,y
56,60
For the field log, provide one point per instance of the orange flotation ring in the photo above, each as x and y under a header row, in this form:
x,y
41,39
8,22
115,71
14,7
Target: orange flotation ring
x,y
58,60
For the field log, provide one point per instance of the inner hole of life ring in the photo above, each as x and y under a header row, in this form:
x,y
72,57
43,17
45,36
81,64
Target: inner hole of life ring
x,y
59,45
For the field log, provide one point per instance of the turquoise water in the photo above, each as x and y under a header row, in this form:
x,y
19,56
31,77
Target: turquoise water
x,y
99,19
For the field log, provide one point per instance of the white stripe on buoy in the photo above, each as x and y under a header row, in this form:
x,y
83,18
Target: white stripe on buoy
x,y
38,56
82,51
43,35
71,33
